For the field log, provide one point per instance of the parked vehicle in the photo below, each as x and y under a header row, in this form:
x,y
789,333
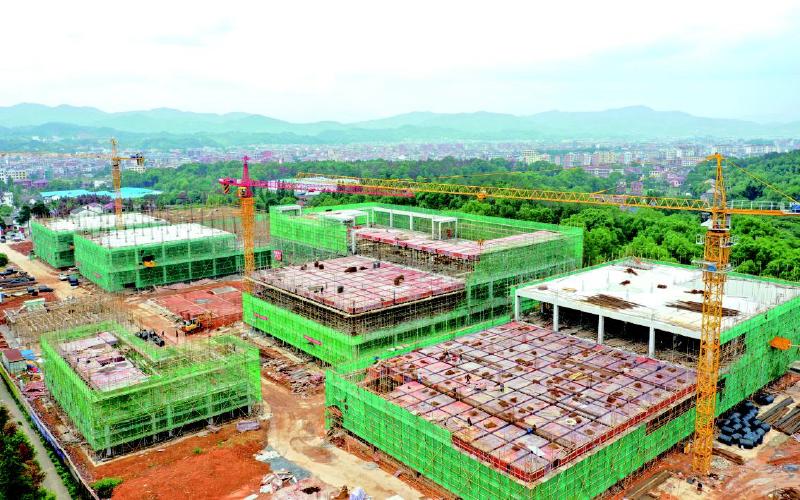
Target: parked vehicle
x,y
63,276
45,288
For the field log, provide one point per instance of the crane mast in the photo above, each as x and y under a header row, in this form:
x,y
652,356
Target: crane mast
x,y
116,179
715,263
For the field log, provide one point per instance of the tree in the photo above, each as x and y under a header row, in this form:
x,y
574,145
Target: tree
x,y
105,487
20,474
40,210
24,215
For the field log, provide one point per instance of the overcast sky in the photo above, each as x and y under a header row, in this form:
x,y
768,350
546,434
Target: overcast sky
x,y
347,61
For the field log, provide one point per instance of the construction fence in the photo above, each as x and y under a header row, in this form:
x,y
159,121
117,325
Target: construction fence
x,y
151,392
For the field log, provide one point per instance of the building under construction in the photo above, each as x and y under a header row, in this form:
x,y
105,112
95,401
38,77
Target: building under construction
x,y
120,391
157,255
364,280
53,239
544,406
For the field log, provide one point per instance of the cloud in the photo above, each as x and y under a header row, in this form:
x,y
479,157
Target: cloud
x,y
353,60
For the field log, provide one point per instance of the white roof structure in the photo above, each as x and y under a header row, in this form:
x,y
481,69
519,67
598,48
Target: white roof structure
x,y
342,215
657,297
156,235
105,221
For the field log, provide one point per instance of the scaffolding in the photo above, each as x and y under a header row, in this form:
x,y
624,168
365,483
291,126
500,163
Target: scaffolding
x,y
158,255
341,289
403,405
27,326
53,239
120,391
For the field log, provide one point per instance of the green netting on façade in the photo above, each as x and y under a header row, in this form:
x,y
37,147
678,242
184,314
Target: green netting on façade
x,y
328,232
429,448
157,263
182,385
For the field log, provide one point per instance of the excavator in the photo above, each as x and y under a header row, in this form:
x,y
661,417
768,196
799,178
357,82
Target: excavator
x,y
195,323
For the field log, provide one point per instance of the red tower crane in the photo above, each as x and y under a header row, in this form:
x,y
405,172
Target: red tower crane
x,y
245,186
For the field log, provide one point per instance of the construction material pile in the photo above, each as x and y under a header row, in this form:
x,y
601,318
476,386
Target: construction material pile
x,y
783,417
742,428
298,376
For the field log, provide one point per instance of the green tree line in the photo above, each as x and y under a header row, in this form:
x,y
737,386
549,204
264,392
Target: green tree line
x,y
767,247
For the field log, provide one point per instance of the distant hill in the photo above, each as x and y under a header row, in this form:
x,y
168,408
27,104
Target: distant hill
x,y
635,123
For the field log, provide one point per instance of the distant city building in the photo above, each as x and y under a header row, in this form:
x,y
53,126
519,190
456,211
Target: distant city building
x,y
530,156
13,175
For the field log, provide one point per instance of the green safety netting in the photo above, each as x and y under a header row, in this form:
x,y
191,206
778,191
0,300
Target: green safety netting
x,y
299,237
184,385
114,269
428,448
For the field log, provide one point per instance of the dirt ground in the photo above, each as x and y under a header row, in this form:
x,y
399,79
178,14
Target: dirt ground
x,y
217,465
297,430
17,303
767,468
148,315
44,274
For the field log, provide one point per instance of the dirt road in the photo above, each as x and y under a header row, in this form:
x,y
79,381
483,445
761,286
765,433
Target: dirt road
x,y
296,432
44,274
52,481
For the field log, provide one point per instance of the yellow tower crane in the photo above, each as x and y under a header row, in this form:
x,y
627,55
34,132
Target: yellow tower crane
x,y
116,177
714,266
116,173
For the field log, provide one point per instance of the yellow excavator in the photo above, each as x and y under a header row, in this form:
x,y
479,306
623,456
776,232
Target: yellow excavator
x,y
196,323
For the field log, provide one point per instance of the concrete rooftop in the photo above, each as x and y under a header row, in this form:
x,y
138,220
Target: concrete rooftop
x,y
105,221
451,247
657,297
156,235
358,284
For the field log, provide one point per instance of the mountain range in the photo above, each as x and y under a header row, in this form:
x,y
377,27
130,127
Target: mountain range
x,y
170,125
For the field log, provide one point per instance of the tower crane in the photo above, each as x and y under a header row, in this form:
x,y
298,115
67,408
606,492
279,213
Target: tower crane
x,y
116,177
715,264
116,173
245,186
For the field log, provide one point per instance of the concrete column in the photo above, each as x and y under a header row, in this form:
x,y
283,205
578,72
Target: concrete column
x,y
555,317
651,345
411,222
601,329
517,306
391,218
